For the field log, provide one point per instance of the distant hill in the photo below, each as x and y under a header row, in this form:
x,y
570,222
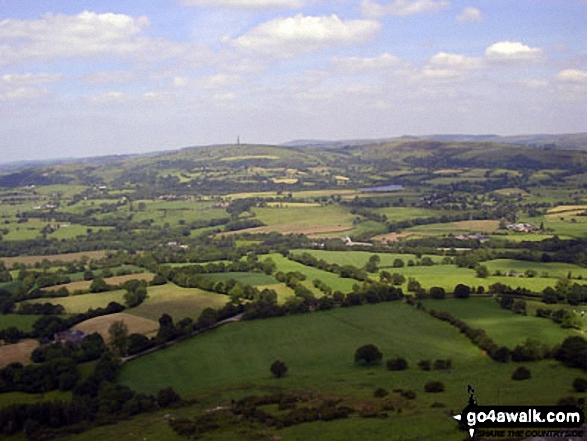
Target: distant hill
x,y
575,141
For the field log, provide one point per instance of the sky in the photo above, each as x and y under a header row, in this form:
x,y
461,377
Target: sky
x,y
90,78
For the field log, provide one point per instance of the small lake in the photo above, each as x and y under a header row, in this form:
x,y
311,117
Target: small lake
x,y
383,188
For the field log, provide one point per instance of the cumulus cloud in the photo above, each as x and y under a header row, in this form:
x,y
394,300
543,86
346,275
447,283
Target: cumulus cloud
x,y
403,8
469,14
216,81
28,79
533,83
86,34
286,37
247,4
25,86
359,65
456,61
513,51
113,97
446,66
110,77
572,76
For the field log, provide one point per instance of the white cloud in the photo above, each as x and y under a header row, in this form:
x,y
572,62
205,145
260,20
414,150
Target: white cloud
x,y
403,8
110,77
247,4
23,93
572,76
469,14
112,97
533,83
456,61
513,51
445,66
359,65
86,34
286,37
216,81
22,86
28,79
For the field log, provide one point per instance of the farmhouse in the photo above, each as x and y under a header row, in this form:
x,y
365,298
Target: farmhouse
x,y
350,243
76,336
522,227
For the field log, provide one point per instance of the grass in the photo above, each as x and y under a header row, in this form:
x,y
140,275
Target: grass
x,y
69,257
398,214
448,276
246,278
503,326
9,398
552,269
135,324
360,258
177,302
24,322
319,348
479,226
307,220
77,304
84,285
17,353
332,280
283,291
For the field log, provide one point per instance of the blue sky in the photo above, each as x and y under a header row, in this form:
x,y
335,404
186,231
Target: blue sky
x,y
86,78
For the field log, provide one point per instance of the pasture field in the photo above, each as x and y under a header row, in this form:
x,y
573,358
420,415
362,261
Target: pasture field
x,y
332,280
17,353
135,324
25,231
366,229
80,303
566,208
69,257
9,398
580,311
318,348
473,226
398,214
360,258
308,220
564,224
283,291
254,279
75,277
177,302
448,276
74,230
502,325
84,285
550,269
24,322
60,190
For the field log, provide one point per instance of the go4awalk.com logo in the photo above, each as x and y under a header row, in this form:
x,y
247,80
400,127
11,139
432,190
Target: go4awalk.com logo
x,y
509,418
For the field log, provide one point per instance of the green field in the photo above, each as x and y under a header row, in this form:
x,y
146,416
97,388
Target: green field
x,y
9,398
76,304
503,326
23,322
332,280
254,279
177,302
308,220
360,258
550,269
319,348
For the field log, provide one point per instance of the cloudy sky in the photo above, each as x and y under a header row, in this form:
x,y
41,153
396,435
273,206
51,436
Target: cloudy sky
x,y
86,78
